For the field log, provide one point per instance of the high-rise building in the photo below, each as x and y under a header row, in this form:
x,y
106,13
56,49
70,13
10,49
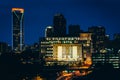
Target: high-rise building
x,y
17,29
49,31
74,30
59,25
98,37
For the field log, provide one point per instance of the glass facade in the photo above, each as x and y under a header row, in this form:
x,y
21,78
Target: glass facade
x,y
18,31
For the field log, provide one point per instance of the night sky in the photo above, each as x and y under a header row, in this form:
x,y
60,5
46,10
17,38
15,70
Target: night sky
x,y
39,14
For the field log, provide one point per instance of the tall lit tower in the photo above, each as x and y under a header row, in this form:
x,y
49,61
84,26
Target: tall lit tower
x,y
59,25
17,29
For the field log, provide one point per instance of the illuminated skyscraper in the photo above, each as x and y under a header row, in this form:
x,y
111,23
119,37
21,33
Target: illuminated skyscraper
x,y
17,29
59,25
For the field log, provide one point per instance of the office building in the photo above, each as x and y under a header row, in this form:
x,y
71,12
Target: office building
x,y
117,36
103,58
17,29
74,30
67,50
4,47
59,25
49,31
98,37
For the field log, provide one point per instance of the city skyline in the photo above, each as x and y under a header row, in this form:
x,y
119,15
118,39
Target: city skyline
x,y
39,15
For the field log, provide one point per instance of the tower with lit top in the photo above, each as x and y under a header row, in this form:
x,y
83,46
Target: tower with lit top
x,y
17,29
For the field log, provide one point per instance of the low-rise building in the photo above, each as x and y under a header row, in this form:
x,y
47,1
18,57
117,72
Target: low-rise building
x,y
103,58
66,50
